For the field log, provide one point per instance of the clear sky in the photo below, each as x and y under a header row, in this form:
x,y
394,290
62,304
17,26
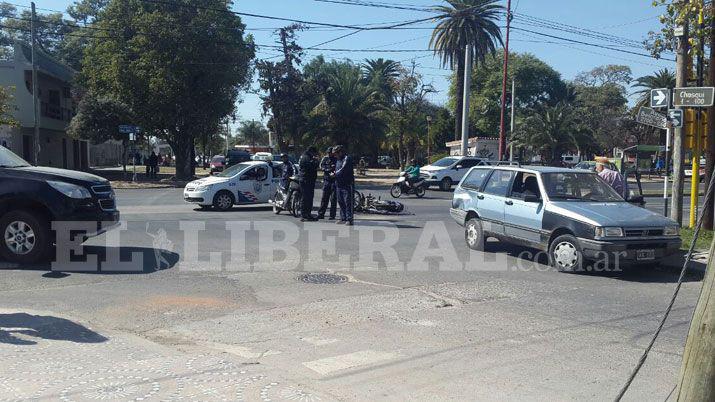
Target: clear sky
x,y
629,19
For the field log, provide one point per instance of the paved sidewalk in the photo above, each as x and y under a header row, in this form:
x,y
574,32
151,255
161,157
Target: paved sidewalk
x,y
50,358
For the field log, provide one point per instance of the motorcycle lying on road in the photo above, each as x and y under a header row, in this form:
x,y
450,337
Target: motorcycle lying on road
x,y
402,186
287,198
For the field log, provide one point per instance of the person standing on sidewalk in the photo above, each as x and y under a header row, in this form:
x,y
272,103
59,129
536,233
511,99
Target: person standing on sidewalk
x,y
327,165
308,167
344,185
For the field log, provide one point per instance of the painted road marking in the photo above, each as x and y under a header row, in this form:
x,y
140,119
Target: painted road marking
x,y
318,341
350,360
241,351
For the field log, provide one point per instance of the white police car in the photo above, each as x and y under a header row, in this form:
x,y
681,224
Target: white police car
x,y
449,171
251,182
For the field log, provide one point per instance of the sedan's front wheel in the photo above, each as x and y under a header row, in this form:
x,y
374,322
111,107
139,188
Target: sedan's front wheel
x,y
223,201
25,238
565,254
474,235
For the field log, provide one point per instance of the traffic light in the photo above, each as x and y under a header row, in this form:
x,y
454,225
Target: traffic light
x,y
691,128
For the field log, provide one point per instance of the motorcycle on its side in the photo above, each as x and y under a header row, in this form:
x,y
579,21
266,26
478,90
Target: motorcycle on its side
x,y
402,187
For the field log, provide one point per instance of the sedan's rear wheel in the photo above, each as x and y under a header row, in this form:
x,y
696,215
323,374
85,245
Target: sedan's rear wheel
x,y
565,254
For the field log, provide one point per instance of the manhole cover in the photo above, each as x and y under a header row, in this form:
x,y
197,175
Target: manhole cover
x,y
323,279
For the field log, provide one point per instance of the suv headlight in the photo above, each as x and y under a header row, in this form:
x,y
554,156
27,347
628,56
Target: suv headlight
x,y
70,190
203,188
609,232
671,231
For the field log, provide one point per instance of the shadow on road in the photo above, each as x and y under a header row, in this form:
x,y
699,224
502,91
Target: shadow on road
x,y
43,327
94,260
238,208
645,273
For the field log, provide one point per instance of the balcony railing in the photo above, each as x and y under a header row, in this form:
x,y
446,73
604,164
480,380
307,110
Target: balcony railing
x,y
56,112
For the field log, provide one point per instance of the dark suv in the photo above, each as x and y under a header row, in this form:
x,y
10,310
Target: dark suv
x,y
31,198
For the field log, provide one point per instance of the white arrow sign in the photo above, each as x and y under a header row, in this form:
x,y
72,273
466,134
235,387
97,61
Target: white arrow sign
x,y
659,97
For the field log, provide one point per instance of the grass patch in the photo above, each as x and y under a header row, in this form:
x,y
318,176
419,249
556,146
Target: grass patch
x,y
704,239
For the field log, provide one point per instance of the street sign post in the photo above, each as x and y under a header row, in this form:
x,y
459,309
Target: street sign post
x,y
659,97
693,97
126,129
651,118
675,116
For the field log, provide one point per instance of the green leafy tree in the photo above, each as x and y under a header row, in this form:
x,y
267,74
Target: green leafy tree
x,y
178,65
253,133
381,74
6,107
536,83
464,23
350,110
282,83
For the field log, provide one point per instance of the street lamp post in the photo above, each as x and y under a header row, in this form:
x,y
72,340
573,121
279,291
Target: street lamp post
x,y
429,138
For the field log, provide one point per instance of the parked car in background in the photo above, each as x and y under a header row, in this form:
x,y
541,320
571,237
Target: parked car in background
x,y
236,156
572,215
262,156
217,164
31,198
448,171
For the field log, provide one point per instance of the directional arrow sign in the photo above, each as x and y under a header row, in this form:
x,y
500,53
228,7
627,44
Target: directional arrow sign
x,y
651,118
694,97
659,97
675,116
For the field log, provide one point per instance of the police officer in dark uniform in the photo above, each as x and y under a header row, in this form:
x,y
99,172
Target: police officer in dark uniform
x,y
327,165
308,168
344,185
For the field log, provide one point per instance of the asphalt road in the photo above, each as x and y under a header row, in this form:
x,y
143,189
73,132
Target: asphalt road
x,y
229,319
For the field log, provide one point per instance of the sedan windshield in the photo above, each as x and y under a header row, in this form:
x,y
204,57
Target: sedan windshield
x,y
578,187
10,160
233,170
445,162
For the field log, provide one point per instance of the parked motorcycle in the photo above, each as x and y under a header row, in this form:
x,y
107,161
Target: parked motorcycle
x,y
403,187
287,198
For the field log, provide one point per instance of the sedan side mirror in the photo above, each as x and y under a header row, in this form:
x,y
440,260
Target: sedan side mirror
x,y
457,167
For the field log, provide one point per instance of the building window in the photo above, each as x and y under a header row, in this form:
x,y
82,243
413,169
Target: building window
x,y
66,93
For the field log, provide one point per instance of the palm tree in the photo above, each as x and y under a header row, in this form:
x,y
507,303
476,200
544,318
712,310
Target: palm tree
x,y
350,109
552,129
381,74
253,133
663,78
465,23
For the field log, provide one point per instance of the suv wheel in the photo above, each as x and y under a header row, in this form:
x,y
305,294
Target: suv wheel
x,y
445,184
25,238
223,201
474,235
565,254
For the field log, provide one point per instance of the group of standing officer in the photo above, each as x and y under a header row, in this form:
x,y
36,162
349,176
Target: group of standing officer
x,y
338,184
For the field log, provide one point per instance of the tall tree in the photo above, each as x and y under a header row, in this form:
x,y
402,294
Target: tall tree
x,y
281,83
253,133
179,66
382,74
460,24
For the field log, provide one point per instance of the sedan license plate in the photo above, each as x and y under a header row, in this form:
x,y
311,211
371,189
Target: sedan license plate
x,y
644,255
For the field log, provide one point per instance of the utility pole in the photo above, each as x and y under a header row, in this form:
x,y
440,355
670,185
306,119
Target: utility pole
x,y
697,373
35,85
708,210
465,103
502,129
429,138
681,74
513,110
698,132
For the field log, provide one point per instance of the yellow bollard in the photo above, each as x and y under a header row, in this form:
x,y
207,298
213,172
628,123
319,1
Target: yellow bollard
x,y
695,178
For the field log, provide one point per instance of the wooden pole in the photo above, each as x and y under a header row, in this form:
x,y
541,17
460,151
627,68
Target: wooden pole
x,y
697,374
